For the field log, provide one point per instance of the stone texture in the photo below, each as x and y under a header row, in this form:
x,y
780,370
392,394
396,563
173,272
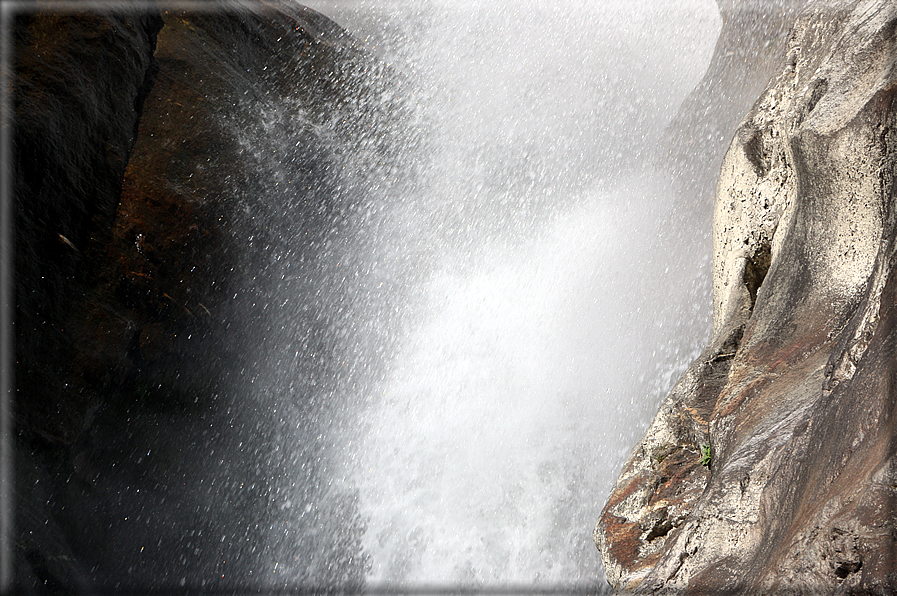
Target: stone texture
x,y
79,81
794,391
751,40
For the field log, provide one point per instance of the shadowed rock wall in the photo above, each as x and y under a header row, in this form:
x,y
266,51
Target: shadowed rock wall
x,y
177,174
794,394
80,81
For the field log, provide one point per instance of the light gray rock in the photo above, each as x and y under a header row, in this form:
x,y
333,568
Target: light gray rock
x,y
752,38
794,391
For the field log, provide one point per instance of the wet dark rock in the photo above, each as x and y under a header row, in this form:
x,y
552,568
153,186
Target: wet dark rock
x,y
80,81
794,393
178,176
79,84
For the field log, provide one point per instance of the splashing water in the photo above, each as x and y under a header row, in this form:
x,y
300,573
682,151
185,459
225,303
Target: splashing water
x,y
550,293
500,424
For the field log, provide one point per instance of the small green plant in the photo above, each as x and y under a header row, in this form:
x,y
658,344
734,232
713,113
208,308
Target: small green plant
x,y
661,452
706,458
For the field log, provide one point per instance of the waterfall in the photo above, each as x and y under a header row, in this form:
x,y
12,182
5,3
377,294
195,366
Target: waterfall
x,y
518,303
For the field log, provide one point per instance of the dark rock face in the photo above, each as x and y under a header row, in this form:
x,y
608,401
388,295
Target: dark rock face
x,y
179,180
794,394
74,130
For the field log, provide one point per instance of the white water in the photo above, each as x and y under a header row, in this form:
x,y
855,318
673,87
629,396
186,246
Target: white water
x,y
556,304
507,411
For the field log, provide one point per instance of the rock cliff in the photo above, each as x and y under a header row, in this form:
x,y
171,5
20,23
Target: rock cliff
x,y
752,37
174,171
792,401
80,82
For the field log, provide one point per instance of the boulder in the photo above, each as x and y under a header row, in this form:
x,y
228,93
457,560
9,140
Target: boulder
x,y
79,81
792,399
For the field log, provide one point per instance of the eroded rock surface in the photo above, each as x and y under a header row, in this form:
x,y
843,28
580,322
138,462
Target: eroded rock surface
x,y
751,40
794,392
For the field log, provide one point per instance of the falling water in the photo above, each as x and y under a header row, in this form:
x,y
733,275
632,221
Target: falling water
x,y
516,305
